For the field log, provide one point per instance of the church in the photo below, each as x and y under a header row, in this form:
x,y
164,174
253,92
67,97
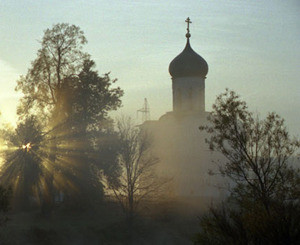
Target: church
x,y
177,141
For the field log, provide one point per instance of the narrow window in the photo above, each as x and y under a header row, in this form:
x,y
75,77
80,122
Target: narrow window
x,y
179,99
191,102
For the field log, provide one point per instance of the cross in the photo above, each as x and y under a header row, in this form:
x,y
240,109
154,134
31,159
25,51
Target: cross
x,y
188,21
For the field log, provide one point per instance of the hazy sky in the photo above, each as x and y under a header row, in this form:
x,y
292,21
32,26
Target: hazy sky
x,y
252,47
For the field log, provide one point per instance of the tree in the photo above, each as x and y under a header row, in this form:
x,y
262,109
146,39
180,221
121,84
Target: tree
x,y
23,167
73,102
138,181
87,99
82,125
60,57
62,78
258,155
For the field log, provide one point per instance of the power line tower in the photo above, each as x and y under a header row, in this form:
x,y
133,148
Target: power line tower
x,y
145,111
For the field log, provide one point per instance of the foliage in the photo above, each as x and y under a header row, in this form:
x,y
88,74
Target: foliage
x,y
82,132
256,151
39,172
258,155
250,224
5,196
23,168
60,57
64,92
27,131
87,99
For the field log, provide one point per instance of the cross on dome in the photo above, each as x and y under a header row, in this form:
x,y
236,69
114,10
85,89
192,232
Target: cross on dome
x,y
188,21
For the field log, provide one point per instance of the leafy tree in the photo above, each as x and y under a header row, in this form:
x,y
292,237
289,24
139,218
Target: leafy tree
x,y
60,57
23,167
264,199
73,102
83,126
87,99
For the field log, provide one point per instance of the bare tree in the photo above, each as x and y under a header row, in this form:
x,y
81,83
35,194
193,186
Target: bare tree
x,y
138,180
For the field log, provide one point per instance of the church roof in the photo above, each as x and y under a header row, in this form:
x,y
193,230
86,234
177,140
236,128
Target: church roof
x,y
188,64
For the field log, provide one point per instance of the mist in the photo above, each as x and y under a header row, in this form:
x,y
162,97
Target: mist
x,y
78,167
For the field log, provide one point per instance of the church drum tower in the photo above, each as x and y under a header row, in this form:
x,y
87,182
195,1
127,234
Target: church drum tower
x,y
188,71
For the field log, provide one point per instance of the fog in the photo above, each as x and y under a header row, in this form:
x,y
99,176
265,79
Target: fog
x,y
74,169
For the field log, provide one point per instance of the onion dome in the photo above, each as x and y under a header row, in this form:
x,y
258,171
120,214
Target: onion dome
x,y
188,63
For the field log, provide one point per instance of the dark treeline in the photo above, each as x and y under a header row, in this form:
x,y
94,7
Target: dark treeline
x,y
71,175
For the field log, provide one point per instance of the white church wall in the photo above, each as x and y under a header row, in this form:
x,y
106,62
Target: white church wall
x,y
185,157
188,94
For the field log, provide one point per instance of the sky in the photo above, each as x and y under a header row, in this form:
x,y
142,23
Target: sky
x,y
251,46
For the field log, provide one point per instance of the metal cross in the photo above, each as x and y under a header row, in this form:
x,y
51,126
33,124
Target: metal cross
x,y
188,21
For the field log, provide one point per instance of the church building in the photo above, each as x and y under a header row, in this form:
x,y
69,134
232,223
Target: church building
x,y
178,142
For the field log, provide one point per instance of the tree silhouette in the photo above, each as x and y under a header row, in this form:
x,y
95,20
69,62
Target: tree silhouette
x,y
23,169
60,57
264,203
137,180
71,103
80,119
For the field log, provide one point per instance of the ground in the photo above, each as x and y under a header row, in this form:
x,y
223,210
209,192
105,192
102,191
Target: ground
x,y
161,223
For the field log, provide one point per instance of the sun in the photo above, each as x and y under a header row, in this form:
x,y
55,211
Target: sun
x,y
26,147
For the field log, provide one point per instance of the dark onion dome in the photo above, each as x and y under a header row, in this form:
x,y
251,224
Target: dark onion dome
x,y
188,64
